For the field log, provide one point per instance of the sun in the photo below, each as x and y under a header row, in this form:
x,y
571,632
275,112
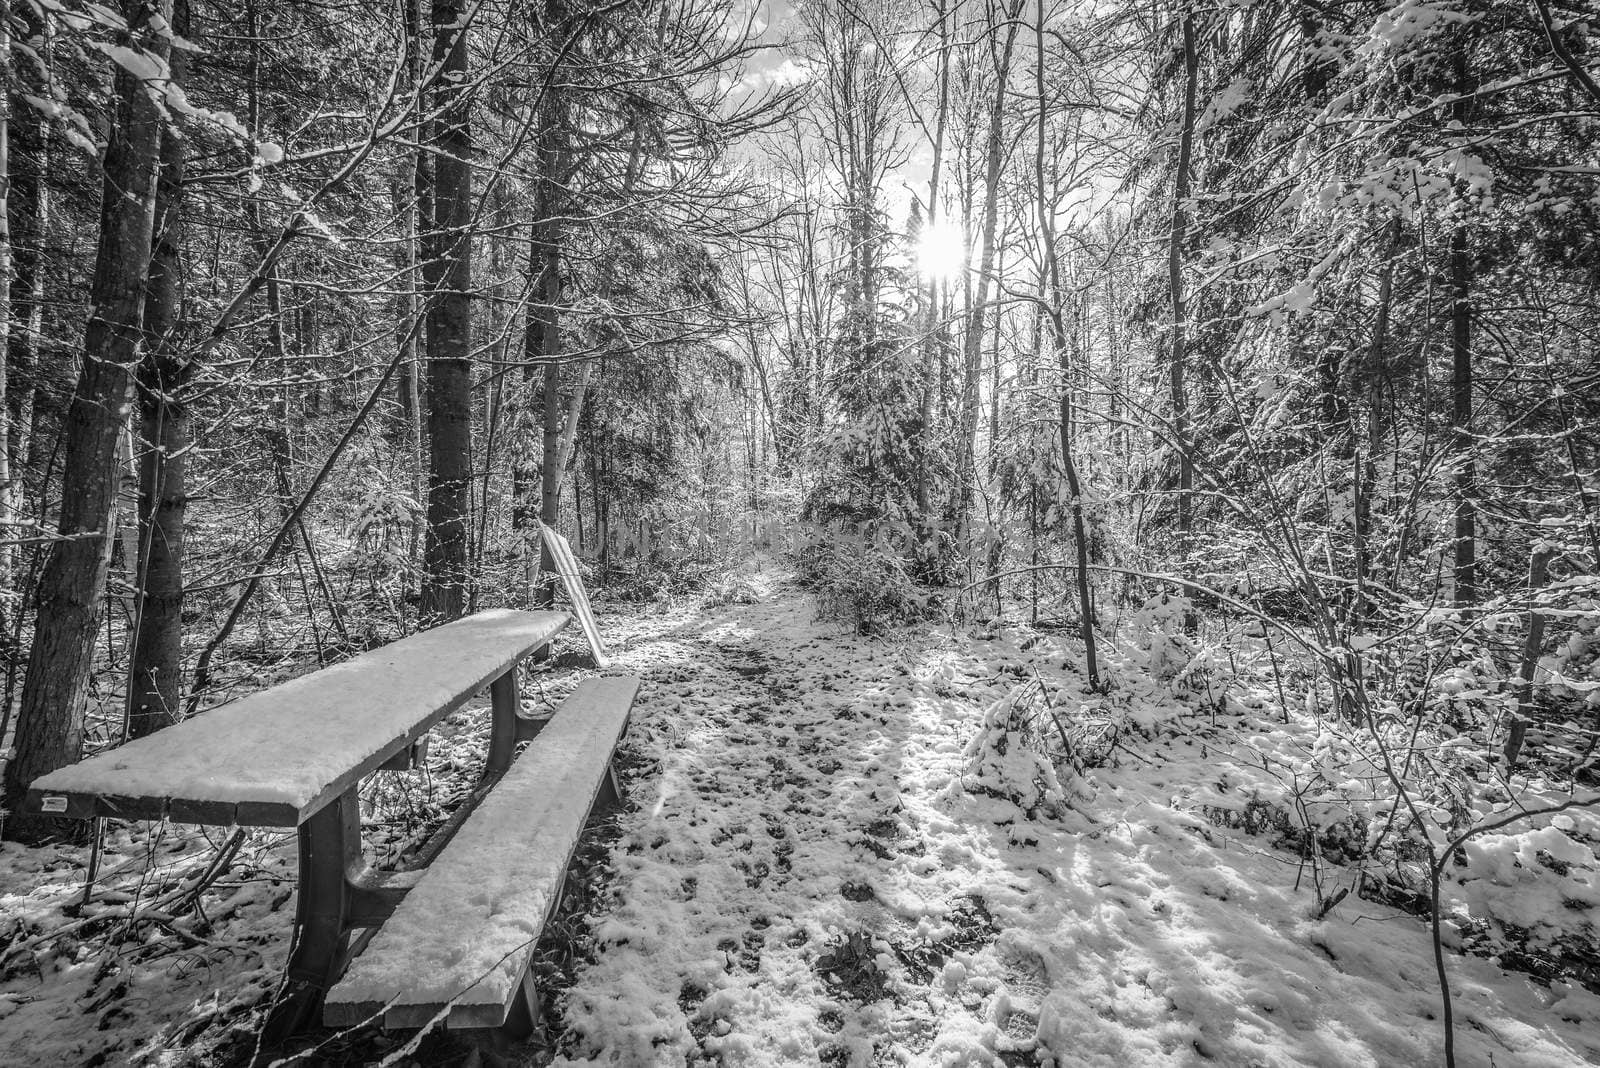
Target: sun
x,y
941,251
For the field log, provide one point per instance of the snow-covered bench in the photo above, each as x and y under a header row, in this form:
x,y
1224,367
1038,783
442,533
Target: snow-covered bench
x,y
294,756
457,950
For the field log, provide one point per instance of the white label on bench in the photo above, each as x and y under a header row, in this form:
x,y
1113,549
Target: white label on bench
x,y
53,804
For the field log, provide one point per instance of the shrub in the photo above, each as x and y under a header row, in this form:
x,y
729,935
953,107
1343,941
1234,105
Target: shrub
x,y
860,579
1024,753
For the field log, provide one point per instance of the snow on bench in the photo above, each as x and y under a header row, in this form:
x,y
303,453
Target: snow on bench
x,y
275,757
458,947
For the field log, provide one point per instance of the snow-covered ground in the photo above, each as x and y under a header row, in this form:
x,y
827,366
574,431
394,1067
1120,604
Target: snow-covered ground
x,y
809,877
816,867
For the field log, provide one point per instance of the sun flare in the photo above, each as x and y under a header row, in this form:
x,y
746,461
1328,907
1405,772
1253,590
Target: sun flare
x,y
941,251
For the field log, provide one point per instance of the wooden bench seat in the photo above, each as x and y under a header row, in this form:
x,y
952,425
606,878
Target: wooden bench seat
x,y
458,947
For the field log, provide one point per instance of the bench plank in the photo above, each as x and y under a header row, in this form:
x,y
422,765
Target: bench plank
x,y
280,754
464,935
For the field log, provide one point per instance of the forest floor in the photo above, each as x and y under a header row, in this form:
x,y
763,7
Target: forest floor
x,y
812,869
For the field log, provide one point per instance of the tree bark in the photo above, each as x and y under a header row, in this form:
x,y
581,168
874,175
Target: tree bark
x,y
1178,354
934,340
550,471
7,275
1464,585
155,684
1065,352
72,585
1465,570
421,221
978,310
27,214
22,215
447,275
542,346
1532,645
1366,460
407,195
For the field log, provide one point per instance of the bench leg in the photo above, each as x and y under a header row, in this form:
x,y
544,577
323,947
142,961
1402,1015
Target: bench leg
x,y
610,789
330,854
523,1017
506,704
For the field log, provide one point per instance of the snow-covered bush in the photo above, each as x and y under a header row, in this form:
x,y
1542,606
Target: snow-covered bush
x,y
1157,646
734,589
1157,633
860,579
1013,757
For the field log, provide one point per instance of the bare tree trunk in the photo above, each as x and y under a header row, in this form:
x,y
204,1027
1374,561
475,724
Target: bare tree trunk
x,y
1462,279
542,340
1064,351
1179,352
21,227
279,430
72,586
1533,643
447,274
995,378
550,468
499,326
973,341
403,193
155,677
569,423
27,213
1466,470
602,507
410,198
419,219
7,276
1080,537
542,345
935,332
1365,474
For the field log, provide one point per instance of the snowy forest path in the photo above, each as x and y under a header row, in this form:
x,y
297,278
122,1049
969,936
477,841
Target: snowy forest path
x,y
779,828
806,874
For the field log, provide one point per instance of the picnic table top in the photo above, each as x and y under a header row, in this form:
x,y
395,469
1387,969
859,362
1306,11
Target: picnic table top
x,y
275,757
